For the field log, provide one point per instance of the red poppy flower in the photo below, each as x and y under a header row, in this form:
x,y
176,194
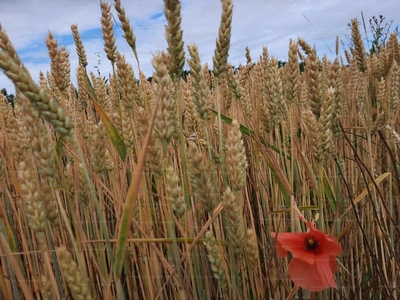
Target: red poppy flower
x,y
314,257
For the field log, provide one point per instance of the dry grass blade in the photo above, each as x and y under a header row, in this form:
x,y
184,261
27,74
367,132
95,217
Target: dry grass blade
x,y
366,191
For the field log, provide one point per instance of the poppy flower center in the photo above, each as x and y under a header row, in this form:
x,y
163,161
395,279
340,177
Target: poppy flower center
x,y
311,242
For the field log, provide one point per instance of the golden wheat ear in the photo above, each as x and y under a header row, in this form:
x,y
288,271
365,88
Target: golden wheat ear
x,y
80,50
127,28
108,32
199,85
76,281
223,42
174,36
359,49
47,107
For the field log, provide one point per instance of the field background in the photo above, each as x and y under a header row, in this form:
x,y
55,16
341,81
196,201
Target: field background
x,y
126,188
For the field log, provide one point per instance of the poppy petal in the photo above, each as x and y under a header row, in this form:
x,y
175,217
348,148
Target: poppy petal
x,y
333,265
314,278
324,267
278,246
293,243
334,246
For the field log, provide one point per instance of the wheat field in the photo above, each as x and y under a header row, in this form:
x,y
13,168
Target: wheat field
x,y
124,188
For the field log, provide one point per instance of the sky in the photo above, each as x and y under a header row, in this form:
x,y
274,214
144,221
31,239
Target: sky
x,y
256,23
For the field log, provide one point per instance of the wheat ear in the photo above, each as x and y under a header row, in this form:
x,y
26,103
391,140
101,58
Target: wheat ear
x,y
165,117
47,108
215,259
199,86
293,74
174,192
108,32
200,180
35,207
127,28
220,58
60,66
235,226
235,160
251,249
99,148
359,46
80,50
78,285
173,35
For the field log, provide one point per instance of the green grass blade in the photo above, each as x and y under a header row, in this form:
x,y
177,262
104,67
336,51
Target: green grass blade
x,y
329,192
112,132
131,197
